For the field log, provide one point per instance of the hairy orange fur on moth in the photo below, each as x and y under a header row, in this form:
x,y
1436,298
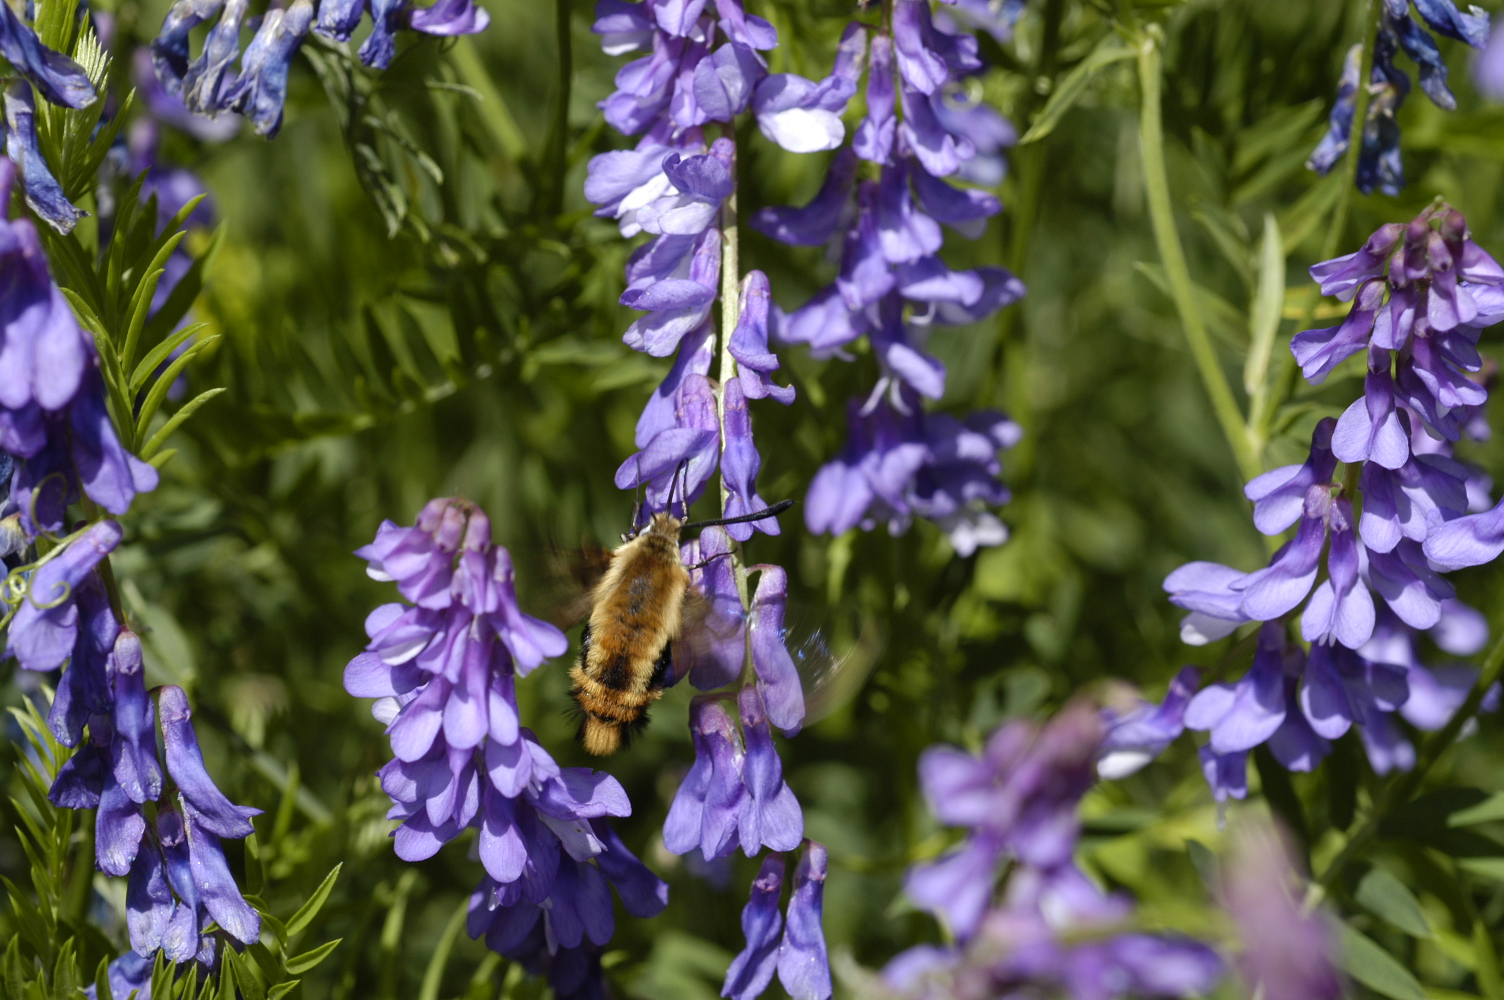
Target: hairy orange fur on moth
x,y
625,653
641,606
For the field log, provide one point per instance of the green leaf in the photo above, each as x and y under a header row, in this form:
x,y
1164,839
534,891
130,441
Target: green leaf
x,y
1490,810
299,964
1375,968
310,909
1268,303
183,294
1487,867
175,421
1108,51
159,388
1486,961
102,989
434,974
1207,865
158,354
280,991
1387,897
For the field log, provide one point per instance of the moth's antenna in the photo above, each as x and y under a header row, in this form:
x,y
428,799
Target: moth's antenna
x,y
756,515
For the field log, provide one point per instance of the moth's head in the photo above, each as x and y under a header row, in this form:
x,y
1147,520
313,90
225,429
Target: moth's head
x,y
664,524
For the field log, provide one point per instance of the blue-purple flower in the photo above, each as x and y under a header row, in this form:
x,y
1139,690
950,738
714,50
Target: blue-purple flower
x,y
444,670
208,85
1379,163
1052,932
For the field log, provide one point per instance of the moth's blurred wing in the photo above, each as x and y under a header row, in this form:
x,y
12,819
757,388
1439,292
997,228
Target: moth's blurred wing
x,y
567,582
712,641
833,662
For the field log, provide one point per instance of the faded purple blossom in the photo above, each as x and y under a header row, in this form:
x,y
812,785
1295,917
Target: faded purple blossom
x,y
1052,932
1287,952
1134,738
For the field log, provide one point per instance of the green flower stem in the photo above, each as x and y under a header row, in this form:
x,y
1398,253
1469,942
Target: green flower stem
x,y
1400,789
731,284
1162,215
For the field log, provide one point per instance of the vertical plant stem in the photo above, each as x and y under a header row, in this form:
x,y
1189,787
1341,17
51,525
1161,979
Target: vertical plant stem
x,y
1162,216
731,278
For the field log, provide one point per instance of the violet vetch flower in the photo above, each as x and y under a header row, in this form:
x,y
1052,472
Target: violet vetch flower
x,y
1134,738
259,90
1052,932
752,969
803,964
1243,715
56,77
1286,951
45,628
1020,795
1379,156
733,794
898,464
43,193
444,672
52,410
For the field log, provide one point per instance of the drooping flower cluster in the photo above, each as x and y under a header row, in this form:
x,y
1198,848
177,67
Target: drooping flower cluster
x,y
920,128
1051,931
1379,164
1421,294
209,85
59,80
444,670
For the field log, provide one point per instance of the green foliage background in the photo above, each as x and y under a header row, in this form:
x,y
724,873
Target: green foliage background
x,y
415,301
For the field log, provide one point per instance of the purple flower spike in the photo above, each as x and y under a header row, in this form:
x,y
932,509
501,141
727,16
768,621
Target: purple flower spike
x,y
1341,688
1341,276
1410,587
130,972
800,115
45,627
1287,952
118,829
217,890
1318,352
185,762
803,965
1370,429
1135,738
1242,716
752,969
1340,122
773,817
777,676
